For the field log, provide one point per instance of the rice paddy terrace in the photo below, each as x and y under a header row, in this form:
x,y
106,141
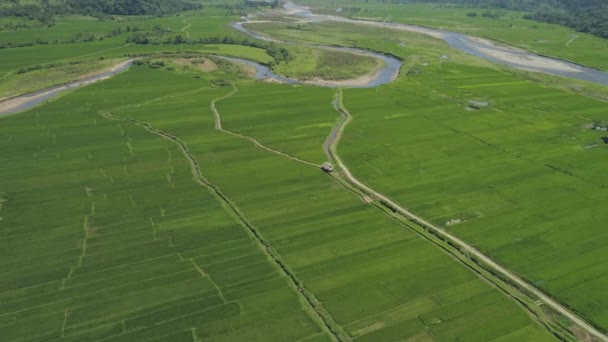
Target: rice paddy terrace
x,y
182,199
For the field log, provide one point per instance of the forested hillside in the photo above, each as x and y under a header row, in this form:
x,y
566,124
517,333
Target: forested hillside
x,y
589,16
45,10
131,7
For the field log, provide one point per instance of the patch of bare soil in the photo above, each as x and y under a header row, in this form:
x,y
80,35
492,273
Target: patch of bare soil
x,y
272,80
120,63
249,70
453,222
515,56
361,81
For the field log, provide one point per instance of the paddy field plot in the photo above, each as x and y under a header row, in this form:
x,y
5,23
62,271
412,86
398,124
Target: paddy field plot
x,y
36,56
112,239
521,179
115,230
368,272
295,120
108,237
34,68
16,84
68,29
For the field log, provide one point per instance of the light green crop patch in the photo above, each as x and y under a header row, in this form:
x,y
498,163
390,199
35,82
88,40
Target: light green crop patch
x,y
320,125
3,200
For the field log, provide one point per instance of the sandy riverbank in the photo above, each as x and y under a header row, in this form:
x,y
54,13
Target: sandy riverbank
x,y
22,102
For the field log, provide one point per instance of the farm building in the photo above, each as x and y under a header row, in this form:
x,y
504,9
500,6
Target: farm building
x,y
478,104
327,167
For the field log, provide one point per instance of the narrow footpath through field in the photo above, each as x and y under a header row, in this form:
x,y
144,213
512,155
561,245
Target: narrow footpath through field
x,y
331,146
185,28
218,126
313,304
575,37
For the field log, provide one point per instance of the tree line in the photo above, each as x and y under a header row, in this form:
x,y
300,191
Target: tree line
x,y
45,10
79,37
589,16
279,54
589,19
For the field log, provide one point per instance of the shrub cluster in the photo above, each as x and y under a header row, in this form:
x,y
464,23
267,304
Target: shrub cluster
x,y
279,54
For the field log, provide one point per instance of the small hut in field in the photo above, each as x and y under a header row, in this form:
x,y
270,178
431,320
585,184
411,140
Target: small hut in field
x,y
478,104
327,167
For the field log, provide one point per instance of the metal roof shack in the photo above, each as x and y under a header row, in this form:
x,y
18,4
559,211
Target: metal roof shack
x,y
327,167
478,104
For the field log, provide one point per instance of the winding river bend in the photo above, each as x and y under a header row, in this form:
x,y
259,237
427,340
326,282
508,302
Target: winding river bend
x,y
388,73
27,101
480,47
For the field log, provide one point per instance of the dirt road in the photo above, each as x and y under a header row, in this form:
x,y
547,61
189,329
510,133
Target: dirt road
x,y
331,150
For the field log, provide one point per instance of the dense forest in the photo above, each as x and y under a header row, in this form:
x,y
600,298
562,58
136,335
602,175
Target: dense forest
x,y
589,16
45,10
131,7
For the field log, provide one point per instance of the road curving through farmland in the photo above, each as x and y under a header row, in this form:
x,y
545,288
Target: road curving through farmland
x,y
30,100
310,302
331,147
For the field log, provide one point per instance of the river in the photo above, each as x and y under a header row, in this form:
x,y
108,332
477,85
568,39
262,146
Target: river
x,y
484,48
480,47
388,73
27,101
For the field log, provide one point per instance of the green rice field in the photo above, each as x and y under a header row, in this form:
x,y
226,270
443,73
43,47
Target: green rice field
x,y
530,164
129,247
183,200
